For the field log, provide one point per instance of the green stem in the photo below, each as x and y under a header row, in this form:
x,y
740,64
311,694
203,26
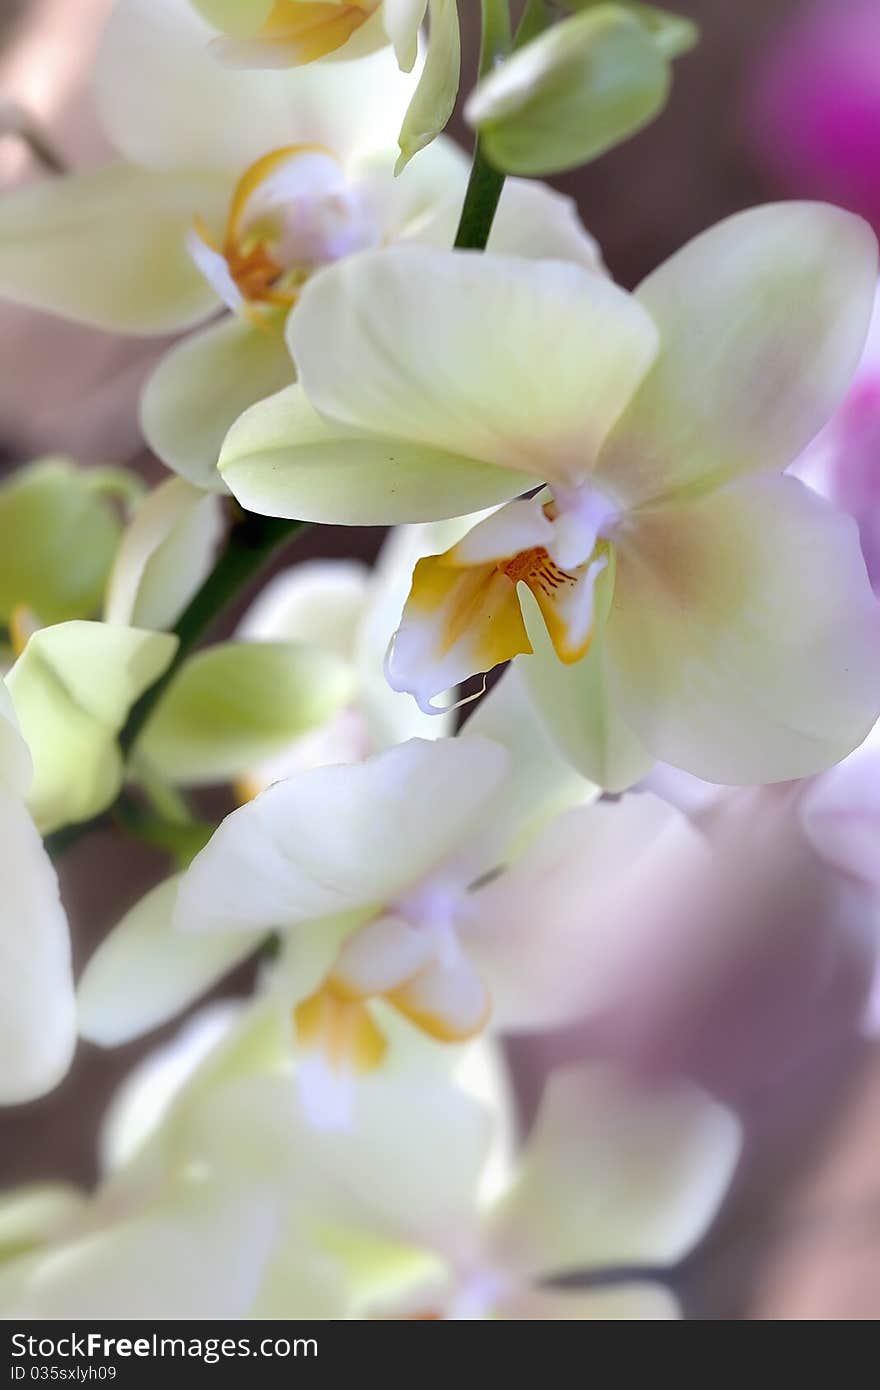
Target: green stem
x,y
180,841
253,541
485,182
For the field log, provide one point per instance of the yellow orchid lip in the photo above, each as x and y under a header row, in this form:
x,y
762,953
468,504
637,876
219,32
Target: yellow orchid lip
x,y
315,28
341,1029
249,246
463,616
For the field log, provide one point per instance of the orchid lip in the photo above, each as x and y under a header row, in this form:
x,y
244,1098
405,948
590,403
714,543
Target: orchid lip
x,y
291,211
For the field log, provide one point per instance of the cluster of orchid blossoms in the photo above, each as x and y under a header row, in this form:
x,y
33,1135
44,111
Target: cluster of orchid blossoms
x,y
590,486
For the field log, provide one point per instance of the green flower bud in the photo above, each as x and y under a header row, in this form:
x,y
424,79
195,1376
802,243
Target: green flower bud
x,y
574,92
235,704
58,535
673,34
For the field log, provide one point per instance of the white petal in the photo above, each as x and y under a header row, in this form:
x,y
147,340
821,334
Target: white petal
x,y
164,555
541,782
743,639
558,933
319,601
412,1162
144,973
616,1172
534,220
762,321
197,1253
167,102
200,388
524,364
578,710
32,1215
16,765
109,248
434,98
339,839
147,1091
281,458
37,1017
402,19
840,814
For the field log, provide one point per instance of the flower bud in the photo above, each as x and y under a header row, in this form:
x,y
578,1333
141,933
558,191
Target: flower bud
x,y
574,92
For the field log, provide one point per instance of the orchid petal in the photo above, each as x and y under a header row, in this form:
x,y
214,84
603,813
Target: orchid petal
x,y
616,1172
16,764
434,98
166,553
199,1252
340,839
743,634
575,703
166,102
37,1017
200,388
144,973
557,935
541,783
321,602
109,248
281,458
440,349
840,815
402,20
762,320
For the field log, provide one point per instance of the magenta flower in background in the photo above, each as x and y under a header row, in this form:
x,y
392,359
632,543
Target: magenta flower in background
x,y
814,109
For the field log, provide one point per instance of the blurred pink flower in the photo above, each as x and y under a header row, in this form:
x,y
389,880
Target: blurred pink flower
x,y
814,109
755,962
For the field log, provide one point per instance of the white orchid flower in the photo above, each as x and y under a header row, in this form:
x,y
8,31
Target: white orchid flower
x,y
37,1012
228,195
388,880
160,957
286,33
171,1231
681,600
210,1161
614,1174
